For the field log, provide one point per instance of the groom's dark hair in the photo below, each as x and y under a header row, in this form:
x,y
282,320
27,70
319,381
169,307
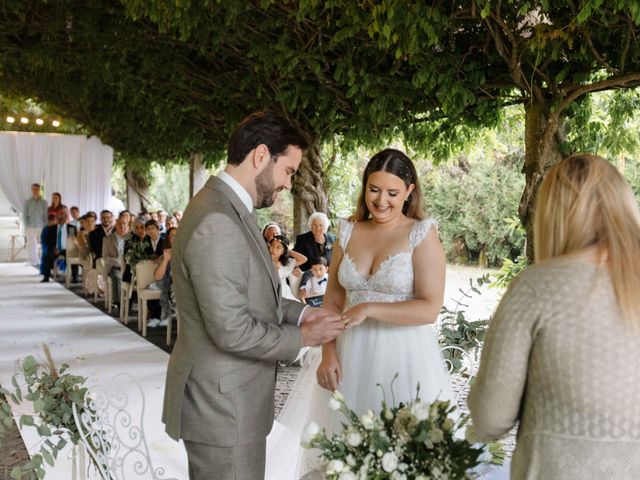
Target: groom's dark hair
x,y
267,128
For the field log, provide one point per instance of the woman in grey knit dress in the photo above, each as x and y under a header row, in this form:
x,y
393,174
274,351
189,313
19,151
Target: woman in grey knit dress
x,y
562,355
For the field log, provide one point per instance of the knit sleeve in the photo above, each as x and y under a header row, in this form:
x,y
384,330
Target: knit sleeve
x,y
496,396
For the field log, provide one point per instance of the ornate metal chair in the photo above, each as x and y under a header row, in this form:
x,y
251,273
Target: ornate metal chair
x,y
111,429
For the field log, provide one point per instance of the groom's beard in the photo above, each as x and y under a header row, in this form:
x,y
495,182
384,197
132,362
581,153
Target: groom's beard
x,y
265,187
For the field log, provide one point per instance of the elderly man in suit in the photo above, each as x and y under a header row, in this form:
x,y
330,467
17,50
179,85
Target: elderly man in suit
x,y
235,324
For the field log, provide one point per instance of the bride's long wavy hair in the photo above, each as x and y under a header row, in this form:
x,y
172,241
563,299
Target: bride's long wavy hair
x,y
397,163
582,202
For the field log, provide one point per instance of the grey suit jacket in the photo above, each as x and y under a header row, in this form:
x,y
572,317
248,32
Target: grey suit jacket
x,y
110,253
234,324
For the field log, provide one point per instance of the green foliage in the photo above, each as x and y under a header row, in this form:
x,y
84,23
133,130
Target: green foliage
x,y
136,252
509,271
52,392
170,188
456,330
475,204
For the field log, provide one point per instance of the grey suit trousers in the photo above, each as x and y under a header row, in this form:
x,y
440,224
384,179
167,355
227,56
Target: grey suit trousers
x,y
239,462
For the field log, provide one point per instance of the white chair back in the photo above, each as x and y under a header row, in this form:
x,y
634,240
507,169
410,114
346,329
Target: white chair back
x,y
72,248
144,274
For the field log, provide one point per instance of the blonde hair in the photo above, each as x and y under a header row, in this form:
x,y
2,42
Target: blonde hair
x,y
584,201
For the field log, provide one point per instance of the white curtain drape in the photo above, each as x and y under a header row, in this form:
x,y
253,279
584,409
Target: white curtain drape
x,y
77,167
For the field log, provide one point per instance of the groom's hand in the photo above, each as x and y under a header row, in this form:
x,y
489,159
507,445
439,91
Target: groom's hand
x,y
320,326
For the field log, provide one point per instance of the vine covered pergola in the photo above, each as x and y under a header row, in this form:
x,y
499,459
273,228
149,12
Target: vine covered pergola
x,y
166,80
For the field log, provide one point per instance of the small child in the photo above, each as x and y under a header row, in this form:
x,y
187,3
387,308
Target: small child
x,y
317,284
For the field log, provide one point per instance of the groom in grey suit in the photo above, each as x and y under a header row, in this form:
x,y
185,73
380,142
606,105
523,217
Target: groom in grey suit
x,y
235,325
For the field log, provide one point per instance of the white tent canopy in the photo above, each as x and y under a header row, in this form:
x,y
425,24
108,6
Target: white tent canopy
x,y
77,167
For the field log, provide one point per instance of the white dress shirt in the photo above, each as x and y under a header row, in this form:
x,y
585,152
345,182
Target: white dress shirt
x,y
238,189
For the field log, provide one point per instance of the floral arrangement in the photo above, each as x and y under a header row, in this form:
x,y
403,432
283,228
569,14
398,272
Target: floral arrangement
x,y
137,253
416,440
53,392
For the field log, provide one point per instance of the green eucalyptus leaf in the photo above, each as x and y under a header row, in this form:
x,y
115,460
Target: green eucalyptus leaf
x,y
47,456
16,473
38,405
44,430
26,420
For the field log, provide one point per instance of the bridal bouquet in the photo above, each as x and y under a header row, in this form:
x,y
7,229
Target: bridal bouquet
x,y
411,441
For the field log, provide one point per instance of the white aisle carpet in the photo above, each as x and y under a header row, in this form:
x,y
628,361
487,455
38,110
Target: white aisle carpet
x,y
92,343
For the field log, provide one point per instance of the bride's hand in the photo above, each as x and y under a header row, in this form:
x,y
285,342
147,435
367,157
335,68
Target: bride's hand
x,y
329,373
356,315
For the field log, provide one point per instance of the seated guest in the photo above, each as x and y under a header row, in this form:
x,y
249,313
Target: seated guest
x,y
561,354
162,276
136,236
98,234
126,216
316,242
54,238
285,260
156,243
162,221
317,284
48,239
87,225
270,230
75,217
154,250
171,223
112,253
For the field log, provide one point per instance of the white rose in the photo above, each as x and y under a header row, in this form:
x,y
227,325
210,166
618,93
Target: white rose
x,y
389,462
388,414
310,431
436,435
334,404
354,439
337,395
368,420
351,460
347,476
420,411
335,466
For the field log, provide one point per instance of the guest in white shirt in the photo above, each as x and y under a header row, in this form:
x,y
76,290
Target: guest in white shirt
x,y
75,217
317,284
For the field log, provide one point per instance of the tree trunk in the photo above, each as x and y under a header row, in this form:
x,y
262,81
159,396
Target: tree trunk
x,y
309,191
137,190
197,173
542,133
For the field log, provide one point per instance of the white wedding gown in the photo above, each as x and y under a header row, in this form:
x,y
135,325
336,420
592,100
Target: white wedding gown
x,y
370,354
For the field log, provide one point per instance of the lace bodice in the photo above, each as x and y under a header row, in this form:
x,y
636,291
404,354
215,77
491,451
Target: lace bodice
x,y
392,281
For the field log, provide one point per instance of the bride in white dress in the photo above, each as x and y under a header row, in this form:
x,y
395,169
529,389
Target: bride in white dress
x,y
387,277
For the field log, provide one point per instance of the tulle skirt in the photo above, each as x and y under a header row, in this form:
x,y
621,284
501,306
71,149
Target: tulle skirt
x,y
380,361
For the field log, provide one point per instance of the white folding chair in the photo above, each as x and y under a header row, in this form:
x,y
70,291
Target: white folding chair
x,y
108,294
73,258
144,277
